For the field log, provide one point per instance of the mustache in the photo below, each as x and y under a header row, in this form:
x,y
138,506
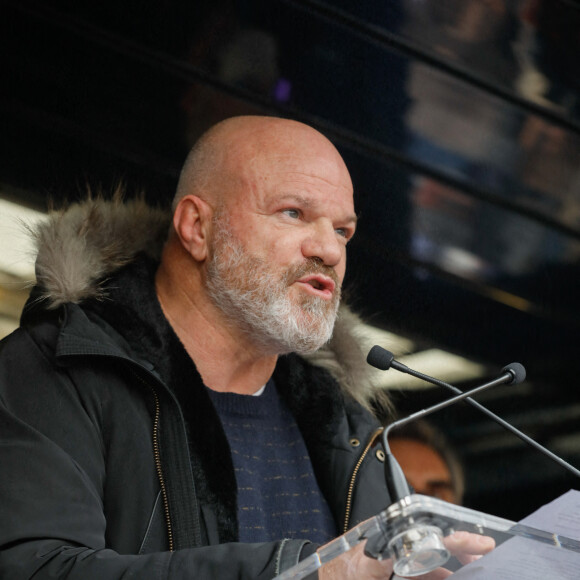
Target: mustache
x,y
311,266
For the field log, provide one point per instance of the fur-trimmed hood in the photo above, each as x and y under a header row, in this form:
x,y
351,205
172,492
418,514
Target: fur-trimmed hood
x,y
81,247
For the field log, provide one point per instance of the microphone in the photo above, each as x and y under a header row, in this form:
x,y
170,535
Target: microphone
x,y
383,360
419,548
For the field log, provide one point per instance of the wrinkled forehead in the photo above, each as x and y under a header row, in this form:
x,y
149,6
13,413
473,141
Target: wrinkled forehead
x,y
315,180
299,162
323,164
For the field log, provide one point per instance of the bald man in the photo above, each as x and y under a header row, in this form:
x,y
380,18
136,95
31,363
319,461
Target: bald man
x,y
184,405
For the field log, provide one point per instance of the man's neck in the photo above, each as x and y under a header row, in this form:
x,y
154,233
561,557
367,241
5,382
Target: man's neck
x,y
225,357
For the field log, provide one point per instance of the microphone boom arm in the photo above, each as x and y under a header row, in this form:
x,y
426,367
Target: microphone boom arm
x,y
462,395
405,369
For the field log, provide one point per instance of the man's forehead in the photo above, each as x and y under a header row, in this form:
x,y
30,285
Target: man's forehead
x,y
299,167
295,157
260,168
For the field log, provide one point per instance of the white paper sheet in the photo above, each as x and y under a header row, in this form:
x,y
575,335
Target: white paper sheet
x,y
525,559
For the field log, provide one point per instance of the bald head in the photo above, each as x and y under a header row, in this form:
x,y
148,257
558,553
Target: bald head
x,y
222,159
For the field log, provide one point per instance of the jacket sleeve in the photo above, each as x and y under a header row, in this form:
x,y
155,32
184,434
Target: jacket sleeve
x,y
52,505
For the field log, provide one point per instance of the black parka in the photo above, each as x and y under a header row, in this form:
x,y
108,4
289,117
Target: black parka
x,y
113,462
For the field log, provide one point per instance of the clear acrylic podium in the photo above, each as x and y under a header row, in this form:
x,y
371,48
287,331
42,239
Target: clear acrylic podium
x,y
411,532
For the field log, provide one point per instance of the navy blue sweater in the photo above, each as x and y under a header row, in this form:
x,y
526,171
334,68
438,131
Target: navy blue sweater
x,y
278,496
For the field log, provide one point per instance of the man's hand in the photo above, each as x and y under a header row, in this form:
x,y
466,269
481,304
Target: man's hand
x,y
354,565
468,547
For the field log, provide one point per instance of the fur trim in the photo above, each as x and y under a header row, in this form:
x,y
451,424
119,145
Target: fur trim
x,y
344,359
79,249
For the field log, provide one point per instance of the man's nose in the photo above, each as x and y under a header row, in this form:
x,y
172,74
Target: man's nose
x,y
323,243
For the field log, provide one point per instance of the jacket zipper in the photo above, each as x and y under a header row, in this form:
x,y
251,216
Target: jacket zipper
x,y
157,459
354,475
159,469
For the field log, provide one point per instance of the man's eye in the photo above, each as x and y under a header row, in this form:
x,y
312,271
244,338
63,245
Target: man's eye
x,y
293,213
342,232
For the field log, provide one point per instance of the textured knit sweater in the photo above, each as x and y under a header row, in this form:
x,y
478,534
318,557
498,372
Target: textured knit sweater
x,y
278,496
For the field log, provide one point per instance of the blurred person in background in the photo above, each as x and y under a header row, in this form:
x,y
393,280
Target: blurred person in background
x,y
428,462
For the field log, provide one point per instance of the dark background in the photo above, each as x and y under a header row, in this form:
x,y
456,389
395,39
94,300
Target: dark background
x,y
459,120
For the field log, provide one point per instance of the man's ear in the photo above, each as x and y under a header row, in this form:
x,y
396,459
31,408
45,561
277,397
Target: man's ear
x,y
192,223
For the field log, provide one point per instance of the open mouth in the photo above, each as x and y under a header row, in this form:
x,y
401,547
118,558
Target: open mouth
x,y
318,285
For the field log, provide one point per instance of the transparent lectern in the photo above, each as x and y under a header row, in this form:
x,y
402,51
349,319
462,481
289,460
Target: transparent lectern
x,y
412,532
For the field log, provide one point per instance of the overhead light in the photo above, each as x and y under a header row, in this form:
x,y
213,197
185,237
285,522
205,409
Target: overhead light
x,y
17,255
16,261
369,335
435,362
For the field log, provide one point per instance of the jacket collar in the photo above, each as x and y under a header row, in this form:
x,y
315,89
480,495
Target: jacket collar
x,y
79,336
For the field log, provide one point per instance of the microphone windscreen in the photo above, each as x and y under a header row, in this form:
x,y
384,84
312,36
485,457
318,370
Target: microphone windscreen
x,y
380,358
518,372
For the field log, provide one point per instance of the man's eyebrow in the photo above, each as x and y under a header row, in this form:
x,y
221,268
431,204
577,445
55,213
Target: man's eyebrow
x,y
296,198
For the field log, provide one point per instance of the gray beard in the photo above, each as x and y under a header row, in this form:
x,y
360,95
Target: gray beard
x,y
256,301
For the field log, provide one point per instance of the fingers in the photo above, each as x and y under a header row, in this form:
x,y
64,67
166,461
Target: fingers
x,y
355,565
467,547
